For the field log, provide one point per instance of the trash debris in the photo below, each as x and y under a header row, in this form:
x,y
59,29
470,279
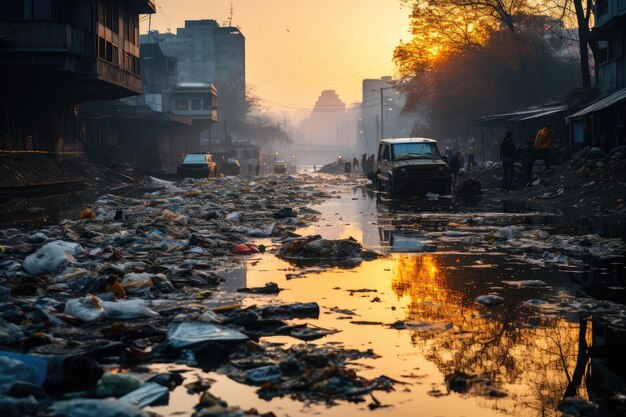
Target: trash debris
x,y
85,407
193,333
150,393
489,299
51,257
117,385
269,288
317,248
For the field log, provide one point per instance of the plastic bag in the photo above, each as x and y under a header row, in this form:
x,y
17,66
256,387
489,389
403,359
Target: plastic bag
x,y
148,394
51,257
190,333
137,282
234,217
243,249
117,385
88,309
128,309
25,368
101,408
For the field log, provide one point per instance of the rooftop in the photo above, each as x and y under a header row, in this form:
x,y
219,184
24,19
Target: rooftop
x,y
408,140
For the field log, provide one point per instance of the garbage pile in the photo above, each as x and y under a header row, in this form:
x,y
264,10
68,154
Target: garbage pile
x,y
591,179
316,248
135,280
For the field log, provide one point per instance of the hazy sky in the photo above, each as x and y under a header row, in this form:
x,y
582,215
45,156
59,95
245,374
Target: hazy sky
x,y
297,48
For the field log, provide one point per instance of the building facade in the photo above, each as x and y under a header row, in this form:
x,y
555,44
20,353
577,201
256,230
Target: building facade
x,y
56,54
601,122
211,54
381,114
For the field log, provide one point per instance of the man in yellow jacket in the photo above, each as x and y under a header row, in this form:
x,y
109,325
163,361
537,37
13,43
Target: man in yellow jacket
x,y
543,144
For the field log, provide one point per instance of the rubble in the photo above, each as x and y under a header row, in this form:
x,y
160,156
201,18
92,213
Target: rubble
x,y
316,248
134,278
591,180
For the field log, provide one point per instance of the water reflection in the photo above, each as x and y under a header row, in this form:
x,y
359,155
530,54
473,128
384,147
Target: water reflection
x,y
533,358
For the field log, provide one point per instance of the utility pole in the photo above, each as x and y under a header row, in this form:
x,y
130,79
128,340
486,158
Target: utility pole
x,y
381,136
382,115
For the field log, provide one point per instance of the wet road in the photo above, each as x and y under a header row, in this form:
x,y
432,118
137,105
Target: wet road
x,y
527,350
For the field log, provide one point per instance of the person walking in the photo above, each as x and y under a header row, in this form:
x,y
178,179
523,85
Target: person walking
x,y
455,165
355,164
508,154
543,144
528,156
471,152
370,163
364,162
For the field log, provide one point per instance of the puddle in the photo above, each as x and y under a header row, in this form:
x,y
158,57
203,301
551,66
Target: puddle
x,y
418,312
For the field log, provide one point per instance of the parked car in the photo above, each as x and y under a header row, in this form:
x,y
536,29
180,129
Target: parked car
x,y
411,166
197,165
280,167
233,167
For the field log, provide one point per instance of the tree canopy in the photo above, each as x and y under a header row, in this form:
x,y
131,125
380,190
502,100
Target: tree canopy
x,y
470,58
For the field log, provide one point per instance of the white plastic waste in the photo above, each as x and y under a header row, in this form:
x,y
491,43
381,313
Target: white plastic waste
x,y
489,299
191,333
84,407
146,395
135,283
51,257
234,217
104,216
88,309
127,309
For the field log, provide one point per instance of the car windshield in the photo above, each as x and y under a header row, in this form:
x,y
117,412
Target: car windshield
x,y
194,158
413,150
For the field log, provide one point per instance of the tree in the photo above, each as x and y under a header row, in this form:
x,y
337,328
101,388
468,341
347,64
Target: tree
x,y
468,58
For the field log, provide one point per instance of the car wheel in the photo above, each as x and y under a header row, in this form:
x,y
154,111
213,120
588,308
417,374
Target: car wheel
x,y
391,189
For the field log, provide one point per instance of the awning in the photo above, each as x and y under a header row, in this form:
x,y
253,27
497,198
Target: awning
x,y
601,104
545,113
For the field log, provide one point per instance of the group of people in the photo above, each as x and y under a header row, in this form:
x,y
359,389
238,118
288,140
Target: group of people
x,y
366,164
526,155
456,161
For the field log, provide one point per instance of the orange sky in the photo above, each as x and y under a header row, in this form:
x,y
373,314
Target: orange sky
x,y
297,48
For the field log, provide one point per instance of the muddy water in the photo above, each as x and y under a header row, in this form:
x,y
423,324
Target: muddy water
x,y
530,351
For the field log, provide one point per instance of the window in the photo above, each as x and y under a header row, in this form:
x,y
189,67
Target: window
x,y
578,132
41,10
602,7
115,15
196,104
182,104
194,158
101,48
12,9
386,156
400,149
603,52
109,52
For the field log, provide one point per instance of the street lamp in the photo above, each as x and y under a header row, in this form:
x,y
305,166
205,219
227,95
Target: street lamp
x,y
382,111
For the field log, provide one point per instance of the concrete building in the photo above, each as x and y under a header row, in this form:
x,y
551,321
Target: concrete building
x,y
327,132
380,95
55,54
152,132
602,122
211,54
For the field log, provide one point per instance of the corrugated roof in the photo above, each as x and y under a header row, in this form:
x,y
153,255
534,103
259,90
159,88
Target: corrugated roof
x,y
523,114
601,104
547,112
